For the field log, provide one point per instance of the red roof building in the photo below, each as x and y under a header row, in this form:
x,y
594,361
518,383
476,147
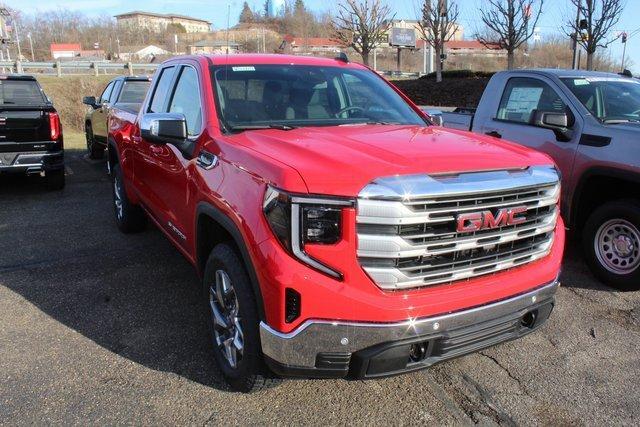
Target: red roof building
x,y
469,47
65,50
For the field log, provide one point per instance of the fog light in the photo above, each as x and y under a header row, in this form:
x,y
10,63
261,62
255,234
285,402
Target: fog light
x,y
418,352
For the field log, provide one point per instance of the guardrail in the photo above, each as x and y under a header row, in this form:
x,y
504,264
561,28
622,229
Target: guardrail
x,y
59,66
96,66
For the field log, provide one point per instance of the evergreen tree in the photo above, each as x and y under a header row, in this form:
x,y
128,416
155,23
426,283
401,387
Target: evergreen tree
x,y
247,14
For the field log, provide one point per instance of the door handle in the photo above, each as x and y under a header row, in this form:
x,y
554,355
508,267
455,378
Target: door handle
x,y
494,133
207,160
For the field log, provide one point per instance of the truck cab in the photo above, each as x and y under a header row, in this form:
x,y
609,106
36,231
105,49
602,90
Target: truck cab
x,y
589,123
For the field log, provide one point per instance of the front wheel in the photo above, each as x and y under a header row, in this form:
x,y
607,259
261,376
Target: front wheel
x,y
234,322
611,243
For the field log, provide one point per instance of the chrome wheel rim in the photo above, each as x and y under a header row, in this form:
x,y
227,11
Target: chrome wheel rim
x,y
225,317
617,246
117,197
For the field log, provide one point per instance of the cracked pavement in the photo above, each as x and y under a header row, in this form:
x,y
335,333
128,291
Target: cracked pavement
x,y
104,328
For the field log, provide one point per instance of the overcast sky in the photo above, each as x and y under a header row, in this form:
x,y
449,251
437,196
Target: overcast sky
x,y
553,18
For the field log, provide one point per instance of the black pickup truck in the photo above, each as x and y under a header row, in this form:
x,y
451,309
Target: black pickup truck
x,y
126,91
30,131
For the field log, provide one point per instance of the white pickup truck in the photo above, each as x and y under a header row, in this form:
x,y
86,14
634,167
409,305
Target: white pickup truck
x,y
589,123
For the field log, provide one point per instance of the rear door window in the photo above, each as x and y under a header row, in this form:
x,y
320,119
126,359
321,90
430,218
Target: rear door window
x,y
20,92
161,91
522,97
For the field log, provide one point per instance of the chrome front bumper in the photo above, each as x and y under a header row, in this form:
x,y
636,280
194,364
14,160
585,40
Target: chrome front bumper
x,y
317,345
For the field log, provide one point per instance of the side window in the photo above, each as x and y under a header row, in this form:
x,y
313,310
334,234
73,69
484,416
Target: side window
x,y
106,94
522,97
161,90
186,100
115,92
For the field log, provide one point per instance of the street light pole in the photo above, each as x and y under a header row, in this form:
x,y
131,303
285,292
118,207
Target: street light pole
x,y
575,37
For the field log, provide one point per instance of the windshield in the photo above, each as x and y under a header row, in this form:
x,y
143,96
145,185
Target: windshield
x,y
20,92
134,91
288,96
610,99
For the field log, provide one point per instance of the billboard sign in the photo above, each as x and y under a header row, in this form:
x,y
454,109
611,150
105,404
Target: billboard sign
x,y
403,37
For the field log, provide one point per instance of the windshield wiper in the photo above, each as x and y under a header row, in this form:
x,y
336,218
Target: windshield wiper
x,y
241,128
371,122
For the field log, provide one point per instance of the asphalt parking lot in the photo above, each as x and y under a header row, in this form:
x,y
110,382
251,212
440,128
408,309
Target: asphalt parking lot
x,y
99,327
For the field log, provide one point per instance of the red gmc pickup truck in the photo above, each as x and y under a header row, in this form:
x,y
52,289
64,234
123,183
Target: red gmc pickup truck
x,y
337,231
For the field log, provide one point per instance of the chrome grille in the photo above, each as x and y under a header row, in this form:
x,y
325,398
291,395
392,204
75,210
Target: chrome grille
x,y
407,226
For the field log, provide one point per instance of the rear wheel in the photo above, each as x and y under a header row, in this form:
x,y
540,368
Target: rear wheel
x,y
612,244
129,217
95,150
54,180
234,322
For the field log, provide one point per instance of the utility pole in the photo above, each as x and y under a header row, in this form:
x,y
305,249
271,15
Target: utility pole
x,y
624,48
15,27
575,63
33,57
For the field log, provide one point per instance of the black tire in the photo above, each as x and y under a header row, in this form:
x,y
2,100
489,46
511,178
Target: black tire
x,y
616,264
250,373
54,180
96,151
129,217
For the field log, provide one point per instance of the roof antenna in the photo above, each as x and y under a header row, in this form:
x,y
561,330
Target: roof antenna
x,y
342,57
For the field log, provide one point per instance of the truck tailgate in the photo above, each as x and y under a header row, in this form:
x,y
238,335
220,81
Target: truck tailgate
x,y
460,121
24,129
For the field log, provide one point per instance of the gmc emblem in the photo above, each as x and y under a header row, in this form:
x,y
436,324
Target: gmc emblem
x,y
486,220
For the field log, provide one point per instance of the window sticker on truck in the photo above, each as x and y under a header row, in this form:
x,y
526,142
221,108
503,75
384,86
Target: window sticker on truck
x,y
243,68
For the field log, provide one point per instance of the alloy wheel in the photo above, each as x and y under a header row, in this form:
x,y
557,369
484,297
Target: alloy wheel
x,y
617,246
117,197
225,317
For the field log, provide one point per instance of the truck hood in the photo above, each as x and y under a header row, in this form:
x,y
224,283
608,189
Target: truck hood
x,y
341,160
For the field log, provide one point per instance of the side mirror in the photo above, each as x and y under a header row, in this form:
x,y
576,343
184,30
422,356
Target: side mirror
x,y
558,122
90,101
433,115
163,128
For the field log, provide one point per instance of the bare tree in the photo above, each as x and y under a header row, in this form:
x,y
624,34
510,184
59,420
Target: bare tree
x,y
600,16
362,25
437,26
510,23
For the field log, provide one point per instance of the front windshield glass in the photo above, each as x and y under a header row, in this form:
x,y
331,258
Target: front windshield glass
x,y
609,99
293,95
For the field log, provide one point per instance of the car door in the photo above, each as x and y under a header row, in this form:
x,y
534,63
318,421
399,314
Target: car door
x,y
515,119
165,166
99,116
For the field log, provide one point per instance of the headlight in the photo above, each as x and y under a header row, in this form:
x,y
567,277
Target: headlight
x,y
298,220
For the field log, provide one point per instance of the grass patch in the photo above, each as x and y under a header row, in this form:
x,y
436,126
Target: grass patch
x,y
67,92
74,140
